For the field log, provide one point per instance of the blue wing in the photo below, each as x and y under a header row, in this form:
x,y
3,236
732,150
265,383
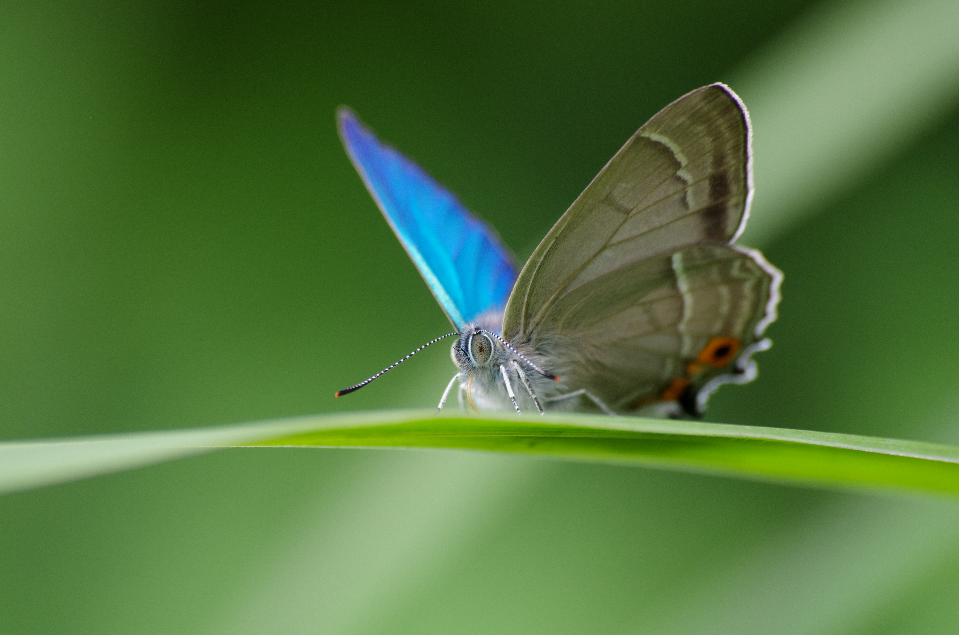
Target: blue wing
x,y
460,258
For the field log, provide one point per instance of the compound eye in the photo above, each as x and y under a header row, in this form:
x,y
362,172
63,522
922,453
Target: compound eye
x,y
481,347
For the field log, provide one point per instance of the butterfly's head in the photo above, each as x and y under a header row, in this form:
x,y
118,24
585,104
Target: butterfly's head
x,y
476,349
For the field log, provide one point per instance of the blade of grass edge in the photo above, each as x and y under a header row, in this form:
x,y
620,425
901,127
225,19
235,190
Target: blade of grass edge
x,y
759,453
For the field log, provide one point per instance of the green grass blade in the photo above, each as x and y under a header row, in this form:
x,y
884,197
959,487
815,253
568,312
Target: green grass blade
x,y
768,454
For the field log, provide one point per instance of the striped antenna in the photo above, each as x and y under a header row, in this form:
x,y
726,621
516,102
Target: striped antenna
x,y
509,347
358,386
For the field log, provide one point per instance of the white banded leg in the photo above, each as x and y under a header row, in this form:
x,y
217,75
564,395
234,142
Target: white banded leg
x,y
507,385
527,385
447,390
582,392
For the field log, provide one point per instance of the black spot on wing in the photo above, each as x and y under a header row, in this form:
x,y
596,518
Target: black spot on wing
x,y
689,402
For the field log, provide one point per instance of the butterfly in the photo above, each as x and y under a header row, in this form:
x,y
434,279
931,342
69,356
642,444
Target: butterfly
x,y
637,299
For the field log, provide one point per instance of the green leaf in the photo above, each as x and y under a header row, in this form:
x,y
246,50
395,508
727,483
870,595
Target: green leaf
x,y
768,454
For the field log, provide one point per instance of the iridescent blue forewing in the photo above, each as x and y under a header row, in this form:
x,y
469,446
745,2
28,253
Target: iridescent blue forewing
x,y
461,259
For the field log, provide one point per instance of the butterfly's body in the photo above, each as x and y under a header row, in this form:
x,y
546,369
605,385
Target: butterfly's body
x,y
636,299
480,359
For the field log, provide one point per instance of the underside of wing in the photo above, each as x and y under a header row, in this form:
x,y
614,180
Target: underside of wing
x,y
670,328
683,178
462,260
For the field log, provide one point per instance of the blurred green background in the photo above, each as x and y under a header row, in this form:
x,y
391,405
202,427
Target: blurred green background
x,y
185,243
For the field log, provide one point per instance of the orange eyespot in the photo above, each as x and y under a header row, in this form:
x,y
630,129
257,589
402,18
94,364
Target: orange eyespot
x,y
719,352
674,389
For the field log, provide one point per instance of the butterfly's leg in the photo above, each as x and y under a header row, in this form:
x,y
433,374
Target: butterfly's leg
x,y
601,404
507,385
582,392
527,385
447,390
461,392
